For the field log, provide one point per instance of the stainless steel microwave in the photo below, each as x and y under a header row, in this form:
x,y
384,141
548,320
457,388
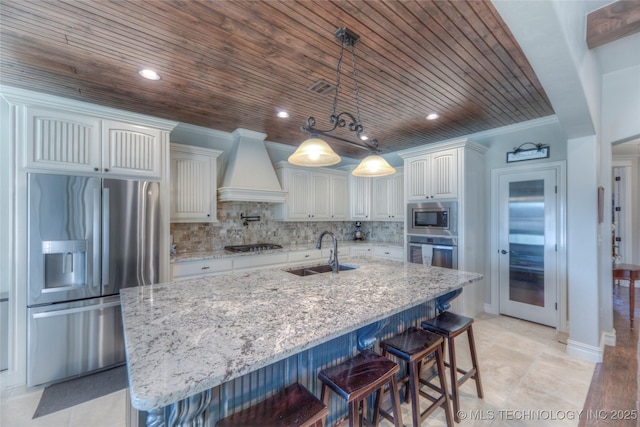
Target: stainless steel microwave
x,y
432,218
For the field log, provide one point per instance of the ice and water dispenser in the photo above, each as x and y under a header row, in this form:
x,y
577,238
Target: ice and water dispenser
x,y
65,263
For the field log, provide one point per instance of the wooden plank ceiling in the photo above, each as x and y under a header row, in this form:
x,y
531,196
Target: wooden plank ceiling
x,y
232,64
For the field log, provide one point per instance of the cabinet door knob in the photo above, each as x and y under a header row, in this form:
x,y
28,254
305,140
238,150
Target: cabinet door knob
x,y
96,169
106,169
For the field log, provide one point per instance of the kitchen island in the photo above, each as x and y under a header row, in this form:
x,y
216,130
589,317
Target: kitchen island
x,y
202,348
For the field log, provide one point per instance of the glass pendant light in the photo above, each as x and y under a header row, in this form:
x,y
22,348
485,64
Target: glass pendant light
x,y
373,166
314,152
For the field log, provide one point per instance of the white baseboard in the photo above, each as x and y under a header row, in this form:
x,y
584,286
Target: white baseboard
x,y
625,284
585,351
609,338
488,308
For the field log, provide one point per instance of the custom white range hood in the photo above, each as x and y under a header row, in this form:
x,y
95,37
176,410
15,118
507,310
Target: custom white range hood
x,y
250,176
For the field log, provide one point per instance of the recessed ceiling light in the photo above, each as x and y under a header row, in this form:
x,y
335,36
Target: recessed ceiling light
x,y
282,114
433,116
149,74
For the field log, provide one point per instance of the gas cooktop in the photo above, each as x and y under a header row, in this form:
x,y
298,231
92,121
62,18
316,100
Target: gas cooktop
x,y
253,247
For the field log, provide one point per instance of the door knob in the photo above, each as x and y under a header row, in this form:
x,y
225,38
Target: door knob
x,y
504,252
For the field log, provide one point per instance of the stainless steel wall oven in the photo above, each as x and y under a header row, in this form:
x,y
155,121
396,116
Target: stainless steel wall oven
x,y
434,251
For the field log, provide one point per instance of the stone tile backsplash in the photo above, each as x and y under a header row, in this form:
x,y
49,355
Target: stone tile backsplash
x,y
201,237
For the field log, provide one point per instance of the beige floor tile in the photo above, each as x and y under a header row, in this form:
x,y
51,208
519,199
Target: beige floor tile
x,y
106,411
18,411
533,406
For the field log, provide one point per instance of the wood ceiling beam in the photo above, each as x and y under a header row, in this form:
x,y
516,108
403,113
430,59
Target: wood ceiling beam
x,y
612,22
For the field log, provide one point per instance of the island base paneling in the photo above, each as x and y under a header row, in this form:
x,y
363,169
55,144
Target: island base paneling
x,y
302,367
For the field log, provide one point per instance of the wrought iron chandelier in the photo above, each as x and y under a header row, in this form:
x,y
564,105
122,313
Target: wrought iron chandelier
x,y
315,152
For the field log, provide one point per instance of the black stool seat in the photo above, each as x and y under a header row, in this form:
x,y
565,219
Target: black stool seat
x,y
294,406
412,342
357,378
450,325
447,323
414,346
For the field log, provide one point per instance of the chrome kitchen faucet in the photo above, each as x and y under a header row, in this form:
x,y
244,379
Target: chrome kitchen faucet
x,y
333,255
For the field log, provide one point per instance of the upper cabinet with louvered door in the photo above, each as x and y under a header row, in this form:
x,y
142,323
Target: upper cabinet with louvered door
x,y
193,183
433,176
387,197
360,198
131,150
313,194
56,140
65,141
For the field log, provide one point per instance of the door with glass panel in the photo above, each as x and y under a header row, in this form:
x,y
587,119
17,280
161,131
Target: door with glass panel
x,y
527,250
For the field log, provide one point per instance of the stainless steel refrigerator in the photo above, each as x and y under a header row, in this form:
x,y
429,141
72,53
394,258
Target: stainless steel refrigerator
x,y
88,238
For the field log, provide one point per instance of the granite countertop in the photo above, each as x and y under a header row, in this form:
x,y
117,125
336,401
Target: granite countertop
x,y
186,337
221,253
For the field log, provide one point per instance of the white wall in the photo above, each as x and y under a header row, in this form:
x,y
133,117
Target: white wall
x,y
582,252
552,36
621,105
6,234
6,194
548,132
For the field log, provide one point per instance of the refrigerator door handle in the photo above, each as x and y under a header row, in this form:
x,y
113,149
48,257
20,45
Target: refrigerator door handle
x,y
95,257
74,310
105,239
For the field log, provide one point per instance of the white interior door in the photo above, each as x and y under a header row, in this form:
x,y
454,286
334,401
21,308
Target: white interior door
x,y
527,250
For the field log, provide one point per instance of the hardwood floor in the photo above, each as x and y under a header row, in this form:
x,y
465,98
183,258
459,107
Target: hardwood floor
x,y
614,386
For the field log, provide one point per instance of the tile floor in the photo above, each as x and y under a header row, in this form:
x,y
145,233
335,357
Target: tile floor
x,y
528,380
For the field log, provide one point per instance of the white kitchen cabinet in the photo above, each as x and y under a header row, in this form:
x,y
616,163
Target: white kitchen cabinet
x,y
459,175
191,269
388,252
327,248
360,198
251,262
131,150
312,195
319,196
61,140
339,200
306,255
193,183
432,176
361,250
57,140
387,198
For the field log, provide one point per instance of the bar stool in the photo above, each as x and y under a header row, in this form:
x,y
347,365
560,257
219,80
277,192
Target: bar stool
x,y
450,325
413,346
357,378
294,406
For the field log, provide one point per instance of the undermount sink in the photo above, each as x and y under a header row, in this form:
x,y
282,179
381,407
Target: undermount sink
x,y
310,271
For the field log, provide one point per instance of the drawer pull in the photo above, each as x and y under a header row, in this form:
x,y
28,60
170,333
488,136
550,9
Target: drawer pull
x,y
307,256
206,267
